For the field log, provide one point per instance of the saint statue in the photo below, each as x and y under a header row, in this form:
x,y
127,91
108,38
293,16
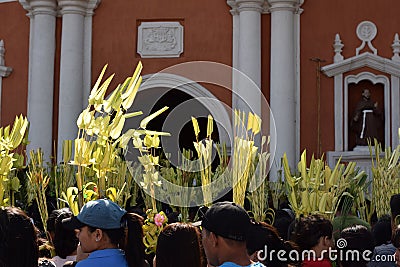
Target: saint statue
x,y
367,120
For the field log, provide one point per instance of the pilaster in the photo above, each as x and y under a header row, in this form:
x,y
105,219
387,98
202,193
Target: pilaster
x,y
74,64
42,14
247,54
283,83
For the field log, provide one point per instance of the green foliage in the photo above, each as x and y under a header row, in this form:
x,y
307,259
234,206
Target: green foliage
x,y
386,176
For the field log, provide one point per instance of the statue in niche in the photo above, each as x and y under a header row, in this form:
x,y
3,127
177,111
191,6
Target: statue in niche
x,y
367,120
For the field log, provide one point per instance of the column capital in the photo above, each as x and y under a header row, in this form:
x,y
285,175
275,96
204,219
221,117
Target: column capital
x,y
285,5
92,5
35,7
232,3
80,7
247,5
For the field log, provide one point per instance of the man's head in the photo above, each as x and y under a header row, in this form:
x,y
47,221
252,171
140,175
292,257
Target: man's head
x,y
225,228
100,213
99,224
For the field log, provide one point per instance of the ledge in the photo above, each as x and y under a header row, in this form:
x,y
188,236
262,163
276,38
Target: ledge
x,y
364,60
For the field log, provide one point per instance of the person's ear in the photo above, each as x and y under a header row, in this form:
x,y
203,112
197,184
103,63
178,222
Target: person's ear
x,y
98,234
327,241
214,239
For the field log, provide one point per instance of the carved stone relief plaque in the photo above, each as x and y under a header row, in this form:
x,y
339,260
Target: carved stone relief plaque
x,y
366,31
160,39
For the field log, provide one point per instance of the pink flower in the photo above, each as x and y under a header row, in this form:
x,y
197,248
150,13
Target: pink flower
x,y
159,219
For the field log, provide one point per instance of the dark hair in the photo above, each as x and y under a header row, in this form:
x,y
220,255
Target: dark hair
x,y
65,241
382,231
264,235
131,241
308,230
283,219
178,245
18,239
358,238
396,237
395,206
51,221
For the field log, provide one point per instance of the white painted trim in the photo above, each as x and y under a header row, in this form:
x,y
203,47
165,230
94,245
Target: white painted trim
x,y
297,82
363,160
364,60
235,50
374,79
195,90
6,1
338,96
395,96
87,60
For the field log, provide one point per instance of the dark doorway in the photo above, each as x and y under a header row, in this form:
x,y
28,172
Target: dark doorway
x,y
186,136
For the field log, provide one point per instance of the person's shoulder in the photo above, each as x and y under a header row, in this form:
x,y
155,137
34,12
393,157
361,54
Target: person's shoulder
x,y
385,249
229,264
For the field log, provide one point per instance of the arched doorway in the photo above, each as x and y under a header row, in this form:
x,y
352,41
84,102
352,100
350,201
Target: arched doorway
x,y
185,98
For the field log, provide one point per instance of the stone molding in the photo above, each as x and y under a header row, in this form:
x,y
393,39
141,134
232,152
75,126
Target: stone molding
x,y
248,5
4,71
92,5
160,39
374,79
364,60
40,7
78,7
285,5
366,32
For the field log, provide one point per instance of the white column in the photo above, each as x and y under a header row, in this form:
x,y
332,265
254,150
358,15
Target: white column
x,y
282,83
395,85
297,74
42,15
235,52
249,55
71,68
87,51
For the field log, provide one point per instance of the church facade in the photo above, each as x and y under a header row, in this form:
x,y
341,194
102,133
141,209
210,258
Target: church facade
x,y
307,61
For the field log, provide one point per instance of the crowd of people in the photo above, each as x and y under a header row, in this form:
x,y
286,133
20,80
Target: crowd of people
x,y
104,234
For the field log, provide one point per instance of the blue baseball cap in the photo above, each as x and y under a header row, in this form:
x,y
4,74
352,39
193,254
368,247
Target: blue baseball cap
x,y
100,213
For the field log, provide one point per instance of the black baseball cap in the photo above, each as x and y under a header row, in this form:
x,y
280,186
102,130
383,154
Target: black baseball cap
x,y
227,219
